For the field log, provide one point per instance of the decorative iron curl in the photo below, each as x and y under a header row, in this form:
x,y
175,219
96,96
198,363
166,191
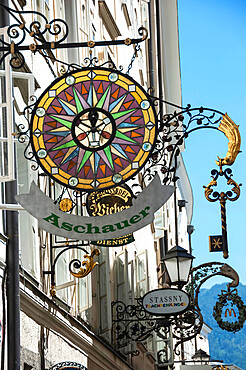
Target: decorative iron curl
x,y
135,353
187,326
15,32
91,62
40,27
56,29
109,64
37,29
213,196
23,134
29,108
17,61
87,266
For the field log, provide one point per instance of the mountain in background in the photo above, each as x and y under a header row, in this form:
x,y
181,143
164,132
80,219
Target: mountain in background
x,y
227,346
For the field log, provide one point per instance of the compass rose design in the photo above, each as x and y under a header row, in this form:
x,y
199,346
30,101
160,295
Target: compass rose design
x,y
93,129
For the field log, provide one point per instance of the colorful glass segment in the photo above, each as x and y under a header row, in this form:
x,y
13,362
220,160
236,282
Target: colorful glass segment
x,y
93,129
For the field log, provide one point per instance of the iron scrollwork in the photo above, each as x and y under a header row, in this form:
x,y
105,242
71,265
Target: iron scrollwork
x,y
203,272
23,133
133,323
38,29
173,129
186,326
213,196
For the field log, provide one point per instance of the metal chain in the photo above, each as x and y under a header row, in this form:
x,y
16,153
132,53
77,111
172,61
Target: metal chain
x,y
136,49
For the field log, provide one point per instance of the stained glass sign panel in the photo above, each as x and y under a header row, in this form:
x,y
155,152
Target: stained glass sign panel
x,y
93,129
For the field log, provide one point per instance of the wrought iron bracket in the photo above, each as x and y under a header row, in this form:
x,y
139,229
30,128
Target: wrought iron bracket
x,y
133,323
200,274
38,29
77,268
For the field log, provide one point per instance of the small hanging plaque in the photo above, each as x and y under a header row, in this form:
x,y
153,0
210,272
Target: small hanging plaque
x,y
107,202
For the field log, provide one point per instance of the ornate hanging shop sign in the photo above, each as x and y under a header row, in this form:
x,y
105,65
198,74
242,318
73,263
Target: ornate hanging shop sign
x,y
68,365
166,301
107,202
230,311
56,222
93,129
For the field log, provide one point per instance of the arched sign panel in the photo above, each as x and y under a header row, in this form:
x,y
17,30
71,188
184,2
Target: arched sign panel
x,y
166,302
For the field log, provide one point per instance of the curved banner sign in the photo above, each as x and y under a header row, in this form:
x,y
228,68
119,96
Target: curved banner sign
x,y
166,302
56,222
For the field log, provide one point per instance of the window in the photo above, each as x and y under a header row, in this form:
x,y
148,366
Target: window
x,y
126,14
47,9
131,282
124,277
6,119
163,248
108,20
141,274
84,288
71,16
83,17
165,348
120,267
104,293
28,231
159,223
62,276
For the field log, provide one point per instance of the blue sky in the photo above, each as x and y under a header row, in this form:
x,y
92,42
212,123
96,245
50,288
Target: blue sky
x,y
213,72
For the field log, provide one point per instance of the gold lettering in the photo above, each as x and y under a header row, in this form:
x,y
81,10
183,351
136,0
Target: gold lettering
x,y
119,192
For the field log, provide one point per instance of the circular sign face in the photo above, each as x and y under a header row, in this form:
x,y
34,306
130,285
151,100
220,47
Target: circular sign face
x,y
93,129
166,302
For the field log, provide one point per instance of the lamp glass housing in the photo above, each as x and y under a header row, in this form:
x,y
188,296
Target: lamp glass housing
x,y
178,269
178,264
201,356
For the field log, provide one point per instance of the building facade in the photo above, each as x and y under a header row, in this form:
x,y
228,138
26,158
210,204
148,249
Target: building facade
x,y
74,324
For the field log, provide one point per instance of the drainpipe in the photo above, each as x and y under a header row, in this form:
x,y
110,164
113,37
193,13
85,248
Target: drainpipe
x,y
150,48
158,45
13,289
12,262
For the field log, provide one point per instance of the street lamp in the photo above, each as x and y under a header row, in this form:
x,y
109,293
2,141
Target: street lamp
x,y
201,356
178,264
